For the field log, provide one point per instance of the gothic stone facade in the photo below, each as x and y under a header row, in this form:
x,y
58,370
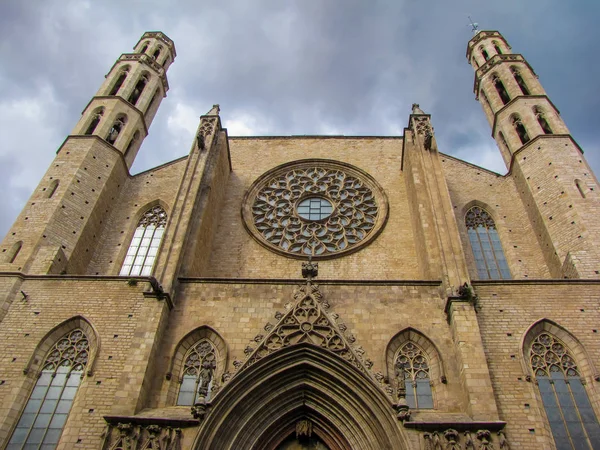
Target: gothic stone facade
x,y
446,296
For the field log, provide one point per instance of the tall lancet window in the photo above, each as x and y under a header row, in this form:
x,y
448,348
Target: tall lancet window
x,y
485,242
198,370
572,419
145,242
412,374
45,414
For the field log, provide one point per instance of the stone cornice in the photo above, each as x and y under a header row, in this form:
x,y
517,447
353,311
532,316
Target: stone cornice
x,y
159,35
481,36
165,422
155,292
493,62
515,100
536,139
315,136
532,282
336,282
148,61
122,100
494,425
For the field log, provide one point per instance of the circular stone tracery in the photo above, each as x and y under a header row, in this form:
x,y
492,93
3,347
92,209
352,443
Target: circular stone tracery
x,y
317,208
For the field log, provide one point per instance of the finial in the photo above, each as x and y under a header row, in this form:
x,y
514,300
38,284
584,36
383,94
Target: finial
x,y
214,111
474,26
309,269
416,109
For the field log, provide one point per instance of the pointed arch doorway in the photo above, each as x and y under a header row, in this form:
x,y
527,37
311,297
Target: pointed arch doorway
x,y
297,443
302,397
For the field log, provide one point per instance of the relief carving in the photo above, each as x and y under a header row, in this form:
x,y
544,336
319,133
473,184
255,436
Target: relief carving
x,y
451,439
130,436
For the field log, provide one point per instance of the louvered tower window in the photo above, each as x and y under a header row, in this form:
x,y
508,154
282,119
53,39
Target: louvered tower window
x,y
145,243
47,409
572,419
485,242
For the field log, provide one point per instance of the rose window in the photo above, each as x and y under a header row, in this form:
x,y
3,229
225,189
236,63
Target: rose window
x,y
315,208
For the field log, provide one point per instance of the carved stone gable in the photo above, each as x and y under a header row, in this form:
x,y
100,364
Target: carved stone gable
x,y
306,321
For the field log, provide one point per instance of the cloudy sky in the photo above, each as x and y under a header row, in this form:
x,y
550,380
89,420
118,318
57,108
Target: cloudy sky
x,y
282,67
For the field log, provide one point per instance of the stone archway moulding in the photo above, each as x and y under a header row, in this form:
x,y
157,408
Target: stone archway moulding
x,y
261,406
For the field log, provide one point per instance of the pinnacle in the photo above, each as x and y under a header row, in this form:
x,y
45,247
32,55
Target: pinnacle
x,y
214,111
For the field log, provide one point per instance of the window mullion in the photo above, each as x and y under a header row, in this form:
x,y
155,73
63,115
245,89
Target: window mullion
x,y
150,238
574,400
36,414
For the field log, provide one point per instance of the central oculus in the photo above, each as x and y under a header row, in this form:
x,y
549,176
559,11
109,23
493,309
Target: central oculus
x,y
314,208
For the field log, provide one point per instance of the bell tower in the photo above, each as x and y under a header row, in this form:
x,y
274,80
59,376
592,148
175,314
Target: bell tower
x,y
547,165
57,230
123,108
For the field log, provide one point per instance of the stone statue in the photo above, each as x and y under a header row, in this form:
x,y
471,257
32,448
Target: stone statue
x,y
205,377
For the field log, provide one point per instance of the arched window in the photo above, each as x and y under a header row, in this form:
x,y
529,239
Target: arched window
x,y
132,142
96,117
411,368
120,79
541,118
520,129
487,100
138,89
156,53
486,246
145,242
570,414
144,48
475,62
14,252
484,53
519,79
580,188
152,100
52,188
117,127
47,409
501,90
497,47
197,375
503,141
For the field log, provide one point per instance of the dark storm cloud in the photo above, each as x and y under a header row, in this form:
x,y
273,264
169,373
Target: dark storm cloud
x,y
283,67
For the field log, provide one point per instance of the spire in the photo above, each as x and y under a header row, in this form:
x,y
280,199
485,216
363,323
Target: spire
x,y
214,111
416,109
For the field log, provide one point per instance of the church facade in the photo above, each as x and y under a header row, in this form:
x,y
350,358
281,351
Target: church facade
x,y
313,292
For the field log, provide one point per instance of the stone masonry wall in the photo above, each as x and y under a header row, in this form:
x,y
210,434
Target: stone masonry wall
x,y
473,186
505,312
116,311
391,255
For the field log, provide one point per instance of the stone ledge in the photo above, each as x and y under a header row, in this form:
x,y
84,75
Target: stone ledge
x,y
495,425
144,421
292,281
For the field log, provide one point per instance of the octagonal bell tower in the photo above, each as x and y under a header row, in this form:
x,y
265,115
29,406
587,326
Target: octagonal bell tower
x,y
58,229
548,167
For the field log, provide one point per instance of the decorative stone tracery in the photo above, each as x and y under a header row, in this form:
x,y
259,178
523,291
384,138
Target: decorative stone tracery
x,y
71,351
134,436
548,355
359,209
306,322
477,217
